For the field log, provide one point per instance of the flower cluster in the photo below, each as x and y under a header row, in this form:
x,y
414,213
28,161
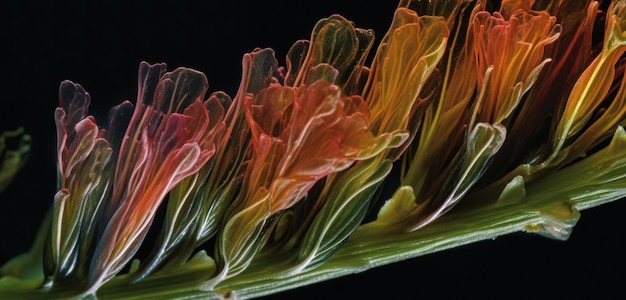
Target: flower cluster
x,y
108,198
475,108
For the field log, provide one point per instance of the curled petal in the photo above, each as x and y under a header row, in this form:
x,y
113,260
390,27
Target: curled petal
x,y
178,89
509,55
335,42
406,58
595,83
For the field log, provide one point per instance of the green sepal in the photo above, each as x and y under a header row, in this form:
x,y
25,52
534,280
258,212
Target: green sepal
x,y
347,203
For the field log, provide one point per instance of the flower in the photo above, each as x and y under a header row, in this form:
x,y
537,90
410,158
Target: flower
x,y
298,136
509,57
167,140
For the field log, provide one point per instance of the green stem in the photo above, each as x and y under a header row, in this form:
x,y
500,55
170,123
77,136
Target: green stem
x,y
370,246
548,206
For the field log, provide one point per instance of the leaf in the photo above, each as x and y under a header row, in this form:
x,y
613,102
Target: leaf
x,y
13,156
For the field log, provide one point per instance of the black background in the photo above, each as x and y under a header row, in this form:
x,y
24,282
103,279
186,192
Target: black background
x,y
100,45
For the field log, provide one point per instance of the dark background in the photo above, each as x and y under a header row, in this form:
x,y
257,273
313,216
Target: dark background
x,y
100,47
